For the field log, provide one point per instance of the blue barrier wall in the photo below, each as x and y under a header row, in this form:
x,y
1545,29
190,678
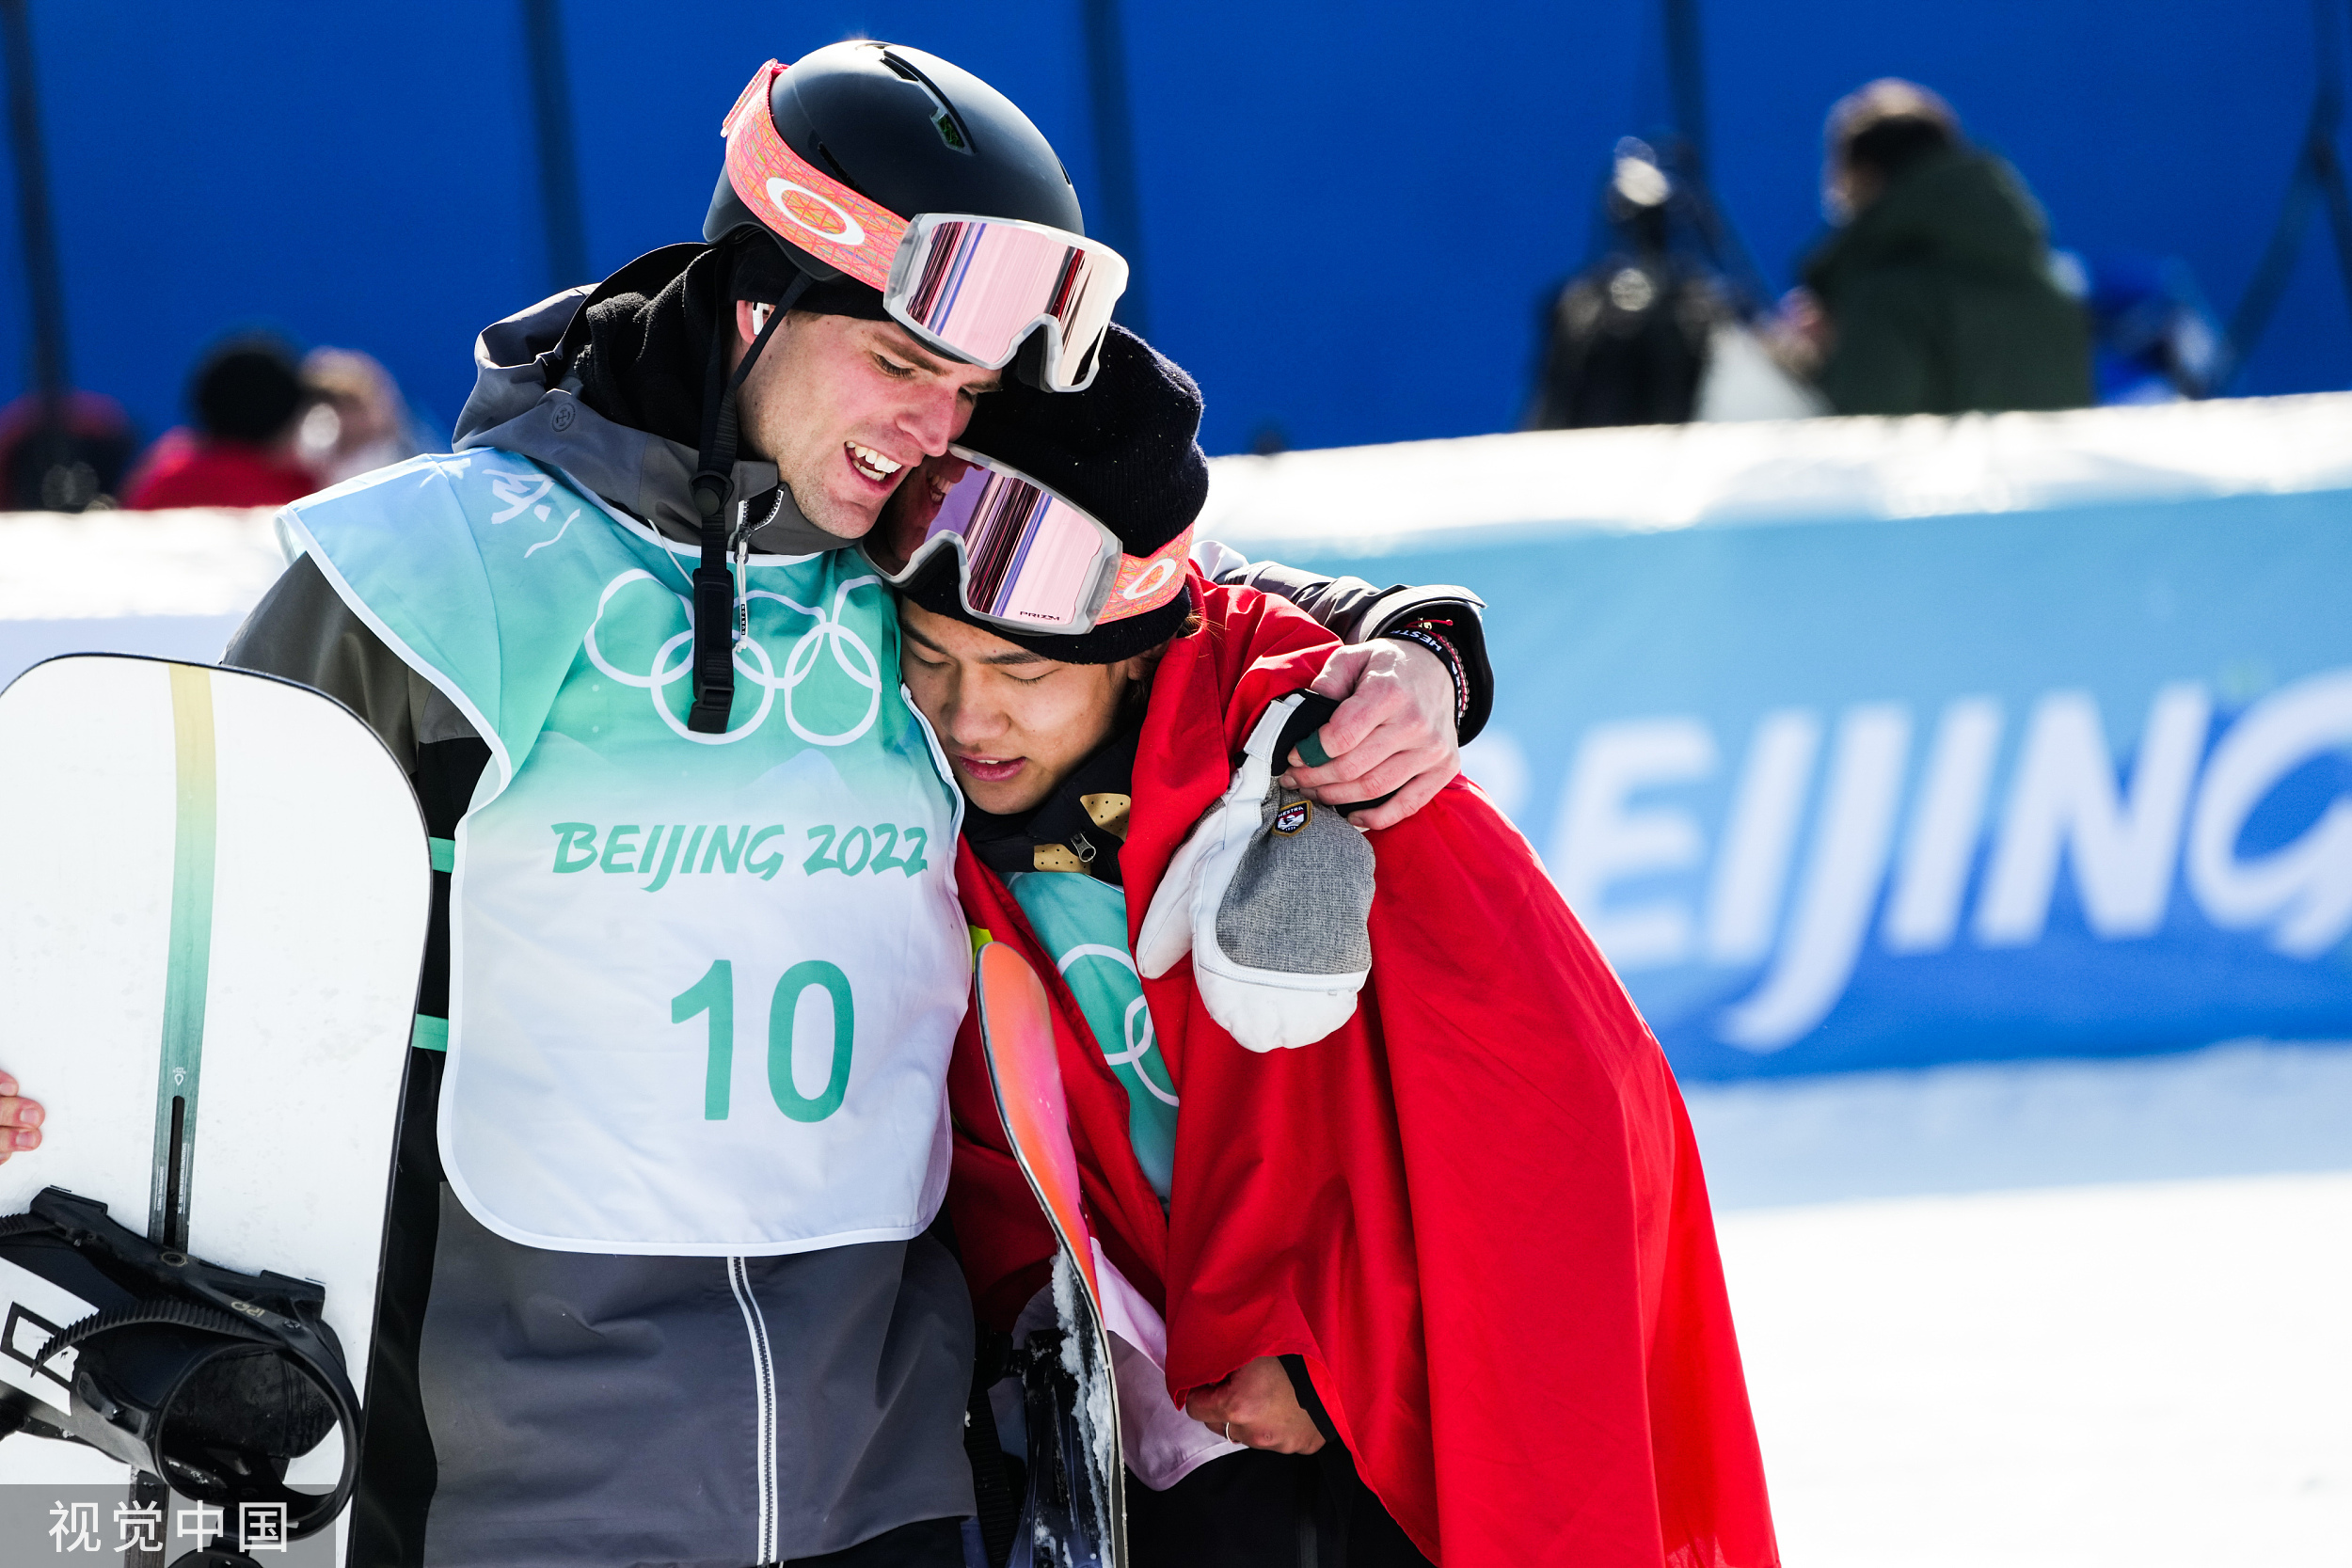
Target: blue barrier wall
x,y
1849,795
2043,772
1349,211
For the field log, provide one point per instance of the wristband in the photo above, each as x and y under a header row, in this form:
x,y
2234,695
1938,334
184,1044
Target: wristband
x,y
1424,634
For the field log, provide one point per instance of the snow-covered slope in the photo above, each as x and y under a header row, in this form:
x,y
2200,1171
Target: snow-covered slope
x,y
2062,1314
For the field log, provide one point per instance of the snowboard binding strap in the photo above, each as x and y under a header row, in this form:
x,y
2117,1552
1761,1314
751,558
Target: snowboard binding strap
x,y
207,1378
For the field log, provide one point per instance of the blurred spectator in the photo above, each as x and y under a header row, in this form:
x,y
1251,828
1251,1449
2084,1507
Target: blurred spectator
x,y
68,460
1935,296
2153,338
1626,341
360,420
247,398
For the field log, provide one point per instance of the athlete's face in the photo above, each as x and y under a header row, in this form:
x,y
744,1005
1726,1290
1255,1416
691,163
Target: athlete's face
x,y
1013,724
847,408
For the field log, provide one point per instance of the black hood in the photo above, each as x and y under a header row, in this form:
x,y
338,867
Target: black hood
x,y
624,415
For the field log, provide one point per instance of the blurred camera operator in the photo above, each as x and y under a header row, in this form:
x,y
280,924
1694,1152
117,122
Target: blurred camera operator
x,y
1934,295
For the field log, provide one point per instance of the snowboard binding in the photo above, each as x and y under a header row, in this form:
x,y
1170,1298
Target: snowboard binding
x,y
1067,1517
209,1379
216,1556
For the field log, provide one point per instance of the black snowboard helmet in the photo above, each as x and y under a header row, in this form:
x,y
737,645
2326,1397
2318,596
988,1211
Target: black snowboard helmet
x,y
912,132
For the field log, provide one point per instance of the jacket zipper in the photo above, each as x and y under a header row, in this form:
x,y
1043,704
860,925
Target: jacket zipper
x,y
764,1391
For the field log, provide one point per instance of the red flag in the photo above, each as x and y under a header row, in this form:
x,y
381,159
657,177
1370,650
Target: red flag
x,y
1475,1208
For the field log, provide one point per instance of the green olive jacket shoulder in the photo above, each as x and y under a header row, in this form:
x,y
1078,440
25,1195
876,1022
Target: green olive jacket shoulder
x,y
1940,299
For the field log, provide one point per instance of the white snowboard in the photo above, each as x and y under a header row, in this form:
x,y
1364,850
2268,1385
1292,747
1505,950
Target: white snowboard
x,y
215,890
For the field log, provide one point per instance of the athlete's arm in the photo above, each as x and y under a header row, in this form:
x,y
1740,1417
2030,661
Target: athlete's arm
x,y
20,1120
1414,674
303,631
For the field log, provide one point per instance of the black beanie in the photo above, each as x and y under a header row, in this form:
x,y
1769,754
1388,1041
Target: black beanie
x,y
1125,451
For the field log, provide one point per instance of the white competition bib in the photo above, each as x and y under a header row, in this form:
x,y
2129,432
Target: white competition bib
x,y
703,987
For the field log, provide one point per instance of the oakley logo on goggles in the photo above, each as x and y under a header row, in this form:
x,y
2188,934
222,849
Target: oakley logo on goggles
x,y
1029,560
973,288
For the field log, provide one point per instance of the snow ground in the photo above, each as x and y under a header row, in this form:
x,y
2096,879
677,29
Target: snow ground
x,y
169,584
2070,1314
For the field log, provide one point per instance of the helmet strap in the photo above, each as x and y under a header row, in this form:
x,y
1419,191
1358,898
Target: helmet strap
x,y
713,489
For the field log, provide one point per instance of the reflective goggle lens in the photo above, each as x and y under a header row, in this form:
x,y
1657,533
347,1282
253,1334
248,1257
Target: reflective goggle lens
x,y
1029,557
977,286
1027,560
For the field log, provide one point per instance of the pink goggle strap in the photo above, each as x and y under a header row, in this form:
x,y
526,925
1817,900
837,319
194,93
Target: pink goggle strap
x,y
818,213
1148,583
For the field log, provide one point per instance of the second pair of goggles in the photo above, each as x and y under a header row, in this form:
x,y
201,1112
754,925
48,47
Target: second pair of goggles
x,y
973,288
1031,560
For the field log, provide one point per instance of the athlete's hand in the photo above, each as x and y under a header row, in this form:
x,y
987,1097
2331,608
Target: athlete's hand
x,y
20,1120
1257,1408
1395,731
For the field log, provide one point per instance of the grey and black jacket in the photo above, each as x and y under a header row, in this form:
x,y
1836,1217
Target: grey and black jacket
x,y
535,1409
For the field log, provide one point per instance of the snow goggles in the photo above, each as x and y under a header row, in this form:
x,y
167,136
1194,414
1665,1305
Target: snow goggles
x,y
1029,560
973,288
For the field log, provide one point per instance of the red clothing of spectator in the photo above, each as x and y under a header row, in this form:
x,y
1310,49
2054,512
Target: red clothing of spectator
x,y
187,469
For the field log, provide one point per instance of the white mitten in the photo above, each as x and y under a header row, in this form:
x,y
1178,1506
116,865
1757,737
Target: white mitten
x,y
1271,895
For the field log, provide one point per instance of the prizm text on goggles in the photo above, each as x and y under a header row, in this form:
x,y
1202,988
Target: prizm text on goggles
x,y
1029,560
973,288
